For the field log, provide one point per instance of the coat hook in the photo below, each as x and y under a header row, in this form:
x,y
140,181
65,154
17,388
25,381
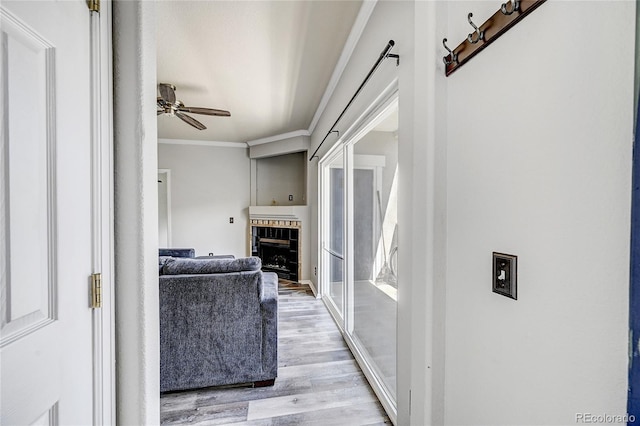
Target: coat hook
x,y
454,56
515,7
479,34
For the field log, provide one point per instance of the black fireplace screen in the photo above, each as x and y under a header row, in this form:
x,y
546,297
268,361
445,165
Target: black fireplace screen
x,y
278,250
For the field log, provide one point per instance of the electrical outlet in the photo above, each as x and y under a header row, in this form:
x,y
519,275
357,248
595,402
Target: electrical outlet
x,y
230,220
290,197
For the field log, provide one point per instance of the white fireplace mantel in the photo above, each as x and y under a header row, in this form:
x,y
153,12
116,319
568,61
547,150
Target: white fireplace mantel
x,y
297,213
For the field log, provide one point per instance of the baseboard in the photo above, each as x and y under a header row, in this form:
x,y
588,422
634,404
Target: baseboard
x,y
311,285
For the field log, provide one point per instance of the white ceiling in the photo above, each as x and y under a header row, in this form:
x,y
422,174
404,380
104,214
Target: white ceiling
x,y
268,62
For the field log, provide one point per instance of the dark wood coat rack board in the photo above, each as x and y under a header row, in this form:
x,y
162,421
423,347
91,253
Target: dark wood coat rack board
x,y
506,17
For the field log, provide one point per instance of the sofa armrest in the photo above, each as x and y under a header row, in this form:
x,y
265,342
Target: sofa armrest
x,y
269,293
269,308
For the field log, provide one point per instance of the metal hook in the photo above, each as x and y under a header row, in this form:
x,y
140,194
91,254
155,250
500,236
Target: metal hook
x,y
454,57
515,7
479,34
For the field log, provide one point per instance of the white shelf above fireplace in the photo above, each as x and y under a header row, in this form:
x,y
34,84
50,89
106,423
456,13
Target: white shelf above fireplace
x,y
300,213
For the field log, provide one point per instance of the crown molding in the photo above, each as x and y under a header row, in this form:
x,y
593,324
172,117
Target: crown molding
x,y
349,46
279,137
203,143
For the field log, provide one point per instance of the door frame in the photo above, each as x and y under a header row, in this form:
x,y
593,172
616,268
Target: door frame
x,y
633,394
104,397
135,140
633,388
167,173
324,287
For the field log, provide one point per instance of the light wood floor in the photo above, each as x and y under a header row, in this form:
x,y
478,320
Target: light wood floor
x,y
319,382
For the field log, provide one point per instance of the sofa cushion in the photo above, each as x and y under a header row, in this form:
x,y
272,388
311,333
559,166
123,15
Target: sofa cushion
x,y
183,266
162,260
177,252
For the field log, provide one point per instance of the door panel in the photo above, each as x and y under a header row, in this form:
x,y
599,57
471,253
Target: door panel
x,y
335,249
45,217
375,281
27,216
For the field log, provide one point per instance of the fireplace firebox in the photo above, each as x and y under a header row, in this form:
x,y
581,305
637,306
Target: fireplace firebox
x,y
278,248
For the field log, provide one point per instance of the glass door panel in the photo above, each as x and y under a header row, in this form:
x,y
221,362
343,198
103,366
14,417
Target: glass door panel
x,y
374,189
334,243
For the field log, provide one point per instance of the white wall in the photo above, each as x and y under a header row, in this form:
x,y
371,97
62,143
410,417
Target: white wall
x,y
280,176
538,165
136,215
527,150
208,186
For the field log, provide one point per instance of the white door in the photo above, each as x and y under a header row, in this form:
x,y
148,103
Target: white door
x,y
45,216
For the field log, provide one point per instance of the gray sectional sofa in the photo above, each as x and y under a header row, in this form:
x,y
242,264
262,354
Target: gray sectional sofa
x,y
218,323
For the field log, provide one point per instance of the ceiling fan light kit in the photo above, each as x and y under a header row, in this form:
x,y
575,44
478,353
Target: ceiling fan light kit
x,y
167,104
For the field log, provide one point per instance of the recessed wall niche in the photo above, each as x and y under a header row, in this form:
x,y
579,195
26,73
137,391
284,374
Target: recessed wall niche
x,y
281,180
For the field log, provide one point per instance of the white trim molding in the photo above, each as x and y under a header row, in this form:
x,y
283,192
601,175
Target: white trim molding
x,y
219,144
278,212
279,137
167,173
104,391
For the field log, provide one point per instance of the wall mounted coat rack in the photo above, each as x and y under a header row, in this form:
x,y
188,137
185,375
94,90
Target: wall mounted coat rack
x,y
506,17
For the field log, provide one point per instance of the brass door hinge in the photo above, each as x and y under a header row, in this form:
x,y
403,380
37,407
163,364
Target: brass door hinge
x,y
94,5
96,290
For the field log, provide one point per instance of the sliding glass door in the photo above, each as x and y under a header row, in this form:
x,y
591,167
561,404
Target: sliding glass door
x,y
375,225
333,248
359,234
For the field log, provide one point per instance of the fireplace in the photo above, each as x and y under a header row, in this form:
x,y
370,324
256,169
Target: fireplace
x,y
277,243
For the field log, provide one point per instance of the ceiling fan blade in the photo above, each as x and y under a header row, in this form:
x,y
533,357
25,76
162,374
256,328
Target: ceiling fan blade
x,y
189,120
167,92
205,111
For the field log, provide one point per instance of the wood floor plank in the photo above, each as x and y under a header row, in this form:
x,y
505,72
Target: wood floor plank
x,y
315,357
217,396
222,414
319,382
309,402
353,415
326,369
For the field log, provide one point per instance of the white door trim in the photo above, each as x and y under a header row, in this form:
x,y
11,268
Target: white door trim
x,y
102,214
167,172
